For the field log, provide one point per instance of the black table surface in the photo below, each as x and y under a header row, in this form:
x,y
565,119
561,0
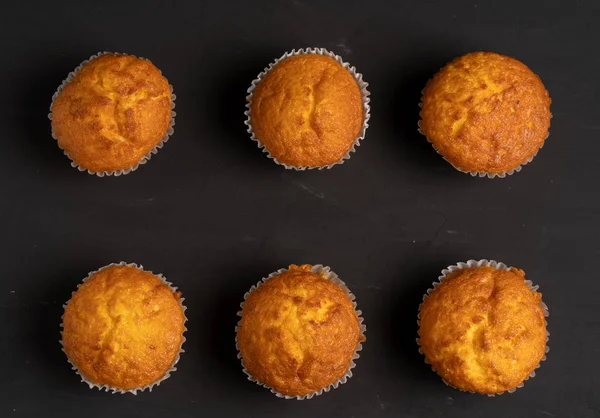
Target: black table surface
x,y
213,214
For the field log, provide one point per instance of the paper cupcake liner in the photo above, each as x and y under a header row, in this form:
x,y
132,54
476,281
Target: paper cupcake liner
x,y
170,370
363,91
478,173
329,275
146,157
498,266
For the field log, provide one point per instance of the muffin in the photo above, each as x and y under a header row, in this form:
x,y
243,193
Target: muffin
x,y
483,328
309,110
486,114
112,114
123,329
299,332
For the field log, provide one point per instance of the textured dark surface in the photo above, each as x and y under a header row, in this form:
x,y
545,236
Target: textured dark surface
x,y
214,215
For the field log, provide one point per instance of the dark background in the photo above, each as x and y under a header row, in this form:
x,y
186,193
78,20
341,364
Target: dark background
x,y
213,214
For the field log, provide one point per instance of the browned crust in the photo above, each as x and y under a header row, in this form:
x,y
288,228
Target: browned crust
x,y
123,328
307,111
486,112
115,111
483,330
298,332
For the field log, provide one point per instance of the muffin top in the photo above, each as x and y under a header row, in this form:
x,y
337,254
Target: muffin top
x,y
307,111
123,328
115,111
483,330
298,332
486,112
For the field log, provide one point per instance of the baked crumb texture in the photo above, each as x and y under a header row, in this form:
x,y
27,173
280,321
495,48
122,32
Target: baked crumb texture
x,y
298,332
483,330
307,111
123,328
113,113
486,112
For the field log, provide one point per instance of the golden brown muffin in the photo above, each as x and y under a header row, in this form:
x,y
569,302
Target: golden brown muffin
x,y
123,328
307,111
486,112
483,330
298,332
115,111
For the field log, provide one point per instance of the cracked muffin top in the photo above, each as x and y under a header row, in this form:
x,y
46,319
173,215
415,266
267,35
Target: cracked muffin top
x,y
114,111
298,332
123,328
486,112
483,330
307,111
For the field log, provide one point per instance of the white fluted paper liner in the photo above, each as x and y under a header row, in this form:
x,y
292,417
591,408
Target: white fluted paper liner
x,y
146,157
498,266
171,369
331,276
363,92
478,173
